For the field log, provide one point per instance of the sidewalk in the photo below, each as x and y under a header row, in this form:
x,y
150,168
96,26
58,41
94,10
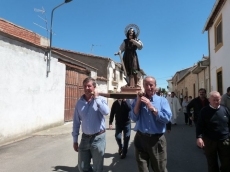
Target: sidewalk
x,y
66,128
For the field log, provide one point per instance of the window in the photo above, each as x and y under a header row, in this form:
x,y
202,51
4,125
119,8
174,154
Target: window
x,y
218,34
114,75
219,81
121,75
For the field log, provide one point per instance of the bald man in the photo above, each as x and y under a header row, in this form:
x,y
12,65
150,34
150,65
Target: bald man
x,y
212,133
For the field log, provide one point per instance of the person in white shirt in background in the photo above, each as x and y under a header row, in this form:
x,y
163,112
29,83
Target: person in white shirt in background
x,y
175,107
168,95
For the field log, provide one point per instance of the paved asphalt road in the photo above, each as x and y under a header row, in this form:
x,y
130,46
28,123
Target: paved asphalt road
x,y
51,150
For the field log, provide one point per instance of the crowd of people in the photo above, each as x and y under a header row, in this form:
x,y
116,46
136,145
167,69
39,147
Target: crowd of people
x,y
153,115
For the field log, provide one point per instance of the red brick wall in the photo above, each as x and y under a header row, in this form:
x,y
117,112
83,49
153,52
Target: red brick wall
x,y
19,32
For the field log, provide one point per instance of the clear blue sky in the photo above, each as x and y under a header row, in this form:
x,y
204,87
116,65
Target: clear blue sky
x,y
171,30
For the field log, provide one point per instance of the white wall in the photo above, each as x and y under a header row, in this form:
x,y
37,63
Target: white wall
x,y
221,58
119,81
102,86
206,79
170,86
93,74
110,76
29,100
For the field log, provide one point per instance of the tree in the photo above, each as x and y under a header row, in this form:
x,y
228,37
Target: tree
x,y
163,90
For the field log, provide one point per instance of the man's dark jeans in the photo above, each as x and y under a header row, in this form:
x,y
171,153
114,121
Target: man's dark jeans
x,y
187,119
215,149
126,129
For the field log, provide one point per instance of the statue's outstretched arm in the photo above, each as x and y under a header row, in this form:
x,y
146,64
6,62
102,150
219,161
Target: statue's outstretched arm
x,y
121,49
138,43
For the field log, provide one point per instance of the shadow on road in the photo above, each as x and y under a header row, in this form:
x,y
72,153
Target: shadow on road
x,y
119,165
183,154
65,169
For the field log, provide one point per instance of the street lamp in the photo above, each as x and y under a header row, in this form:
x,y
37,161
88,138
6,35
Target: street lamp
x,y
51,33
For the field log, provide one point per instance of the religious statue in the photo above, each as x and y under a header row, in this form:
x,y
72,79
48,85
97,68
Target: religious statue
x,y
130,59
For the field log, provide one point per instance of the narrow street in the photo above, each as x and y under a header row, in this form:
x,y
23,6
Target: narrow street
x,y
51,150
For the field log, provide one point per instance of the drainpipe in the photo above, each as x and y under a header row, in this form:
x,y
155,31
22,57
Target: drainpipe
x,y
209,60
205,81
198,83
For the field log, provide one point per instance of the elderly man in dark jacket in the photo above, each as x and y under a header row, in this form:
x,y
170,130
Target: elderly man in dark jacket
x,y
212,134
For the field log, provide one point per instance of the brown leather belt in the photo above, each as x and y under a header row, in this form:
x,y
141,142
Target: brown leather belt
x,y
150,135
93,135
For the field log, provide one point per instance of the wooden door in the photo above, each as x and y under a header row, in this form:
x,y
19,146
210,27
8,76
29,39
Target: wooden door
x,y
73,91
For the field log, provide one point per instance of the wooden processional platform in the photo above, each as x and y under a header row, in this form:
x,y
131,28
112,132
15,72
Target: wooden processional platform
x,y
126,93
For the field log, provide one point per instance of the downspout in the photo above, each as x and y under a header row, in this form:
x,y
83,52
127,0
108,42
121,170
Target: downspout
x,y
209,61
198,83
205,81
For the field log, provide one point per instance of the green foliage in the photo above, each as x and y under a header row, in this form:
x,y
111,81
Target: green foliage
x,y
163,90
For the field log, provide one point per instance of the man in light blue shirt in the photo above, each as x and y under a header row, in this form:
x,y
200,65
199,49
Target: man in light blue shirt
x,y
151,114
89,113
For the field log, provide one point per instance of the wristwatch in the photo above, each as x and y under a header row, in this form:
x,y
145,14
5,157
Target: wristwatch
x,y
154,110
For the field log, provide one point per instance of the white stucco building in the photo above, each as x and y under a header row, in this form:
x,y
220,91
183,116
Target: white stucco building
x,y
29,100
170,86
218,27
